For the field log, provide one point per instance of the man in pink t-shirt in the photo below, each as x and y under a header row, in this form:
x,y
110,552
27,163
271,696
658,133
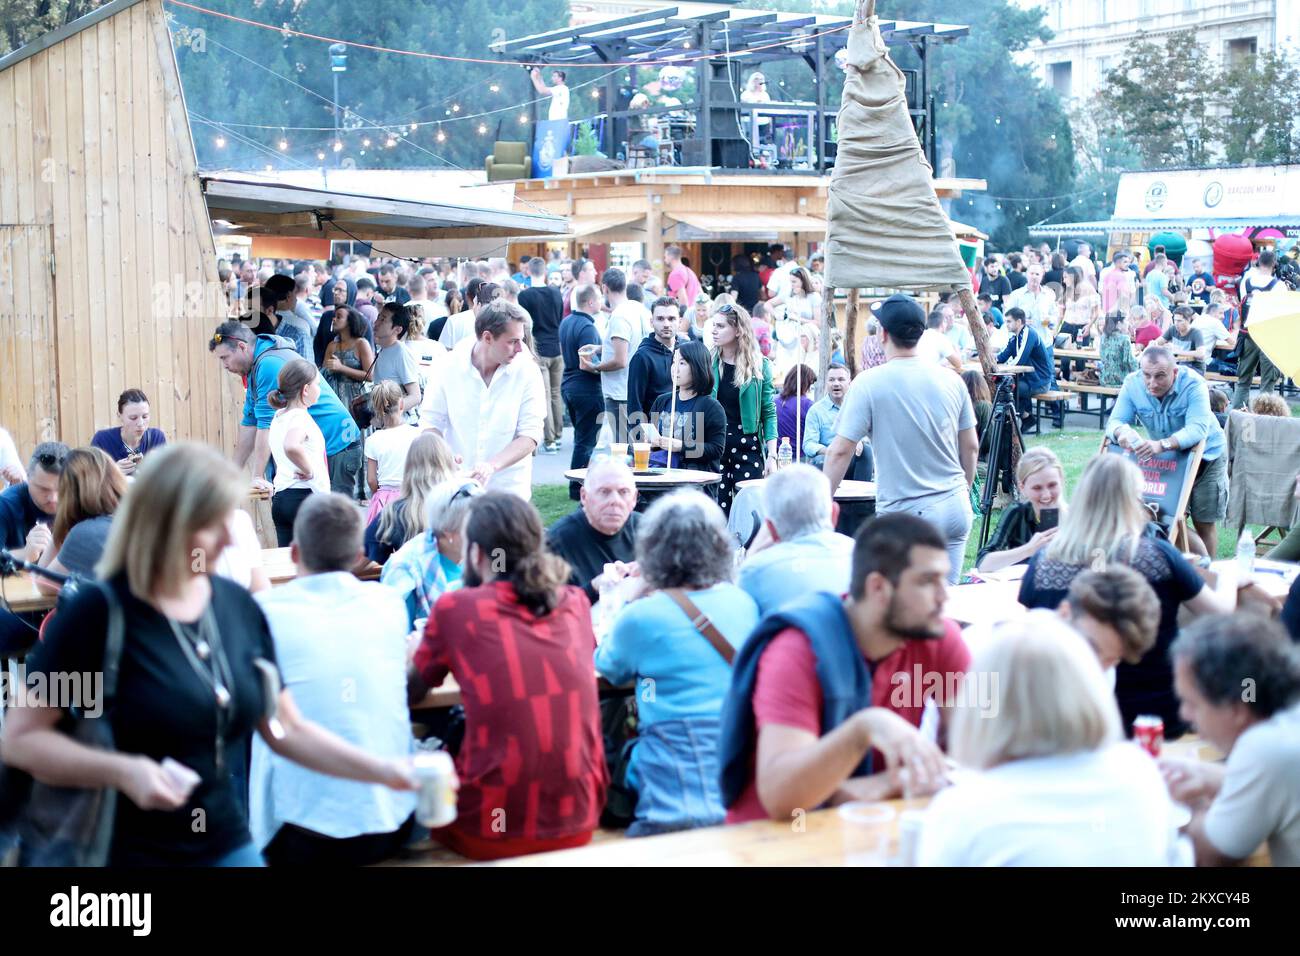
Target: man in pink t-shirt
x,y
894,614
683,284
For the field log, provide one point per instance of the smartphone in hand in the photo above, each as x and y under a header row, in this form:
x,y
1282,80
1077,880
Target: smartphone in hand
x,y
1049,518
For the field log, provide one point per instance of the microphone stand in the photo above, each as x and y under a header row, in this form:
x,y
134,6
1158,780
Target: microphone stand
x,y
11,565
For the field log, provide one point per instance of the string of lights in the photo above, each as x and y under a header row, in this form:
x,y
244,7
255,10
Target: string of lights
x,y
802,39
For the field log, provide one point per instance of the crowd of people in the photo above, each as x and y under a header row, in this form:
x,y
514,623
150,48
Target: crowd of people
x,y
394,430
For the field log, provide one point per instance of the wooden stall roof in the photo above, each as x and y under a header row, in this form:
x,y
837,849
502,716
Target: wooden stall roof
x,y
946,187
289,210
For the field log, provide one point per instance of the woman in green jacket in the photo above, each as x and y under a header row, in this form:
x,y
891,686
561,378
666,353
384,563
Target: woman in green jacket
x,y
742,383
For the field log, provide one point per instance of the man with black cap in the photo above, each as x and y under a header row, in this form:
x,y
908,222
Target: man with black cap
x,y
919,419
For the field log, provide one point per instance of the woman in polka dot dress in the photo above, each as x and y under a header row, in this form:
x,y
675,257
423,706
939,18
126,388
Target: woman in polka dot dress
x,y
742,383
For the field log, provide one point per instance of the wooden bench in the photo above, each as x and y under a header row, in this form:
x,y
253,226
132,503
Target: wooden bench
x,y
1103,392
1052,397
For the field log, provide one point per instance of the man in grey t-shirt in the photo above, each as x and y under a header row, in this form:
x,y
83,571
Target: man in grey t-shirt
x,y
395,363
919,419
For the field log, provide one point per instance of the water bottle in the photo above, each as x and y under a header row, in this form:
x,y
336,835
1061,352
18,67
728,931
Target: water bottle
x,y
784,454
1245,555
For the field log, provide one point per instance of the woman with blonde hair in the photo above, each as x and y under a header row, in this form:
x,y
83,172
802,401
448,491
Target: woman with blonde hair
x,y
1105,525
184,654
695,323
1024,530
387,446
1053,783
90,487
742,383
429,462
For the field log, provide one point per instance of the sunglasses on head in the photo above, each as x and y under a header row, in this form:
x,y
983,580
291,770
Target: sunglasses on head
x,y
467,490
48,462
726,309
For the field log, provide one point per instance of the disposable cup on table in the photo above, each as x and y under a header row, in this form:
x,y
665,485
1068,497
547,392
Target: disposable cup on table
x,y
866,829
641,456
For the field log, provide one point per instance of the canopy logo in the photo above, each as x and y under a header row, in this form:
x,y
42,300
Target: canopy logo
x,y
1213,195
1156,195
75,909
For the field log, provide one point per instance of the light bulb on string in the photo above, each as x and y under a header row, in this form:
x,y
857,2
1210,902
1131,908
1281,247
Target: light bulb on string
x,y
414,127
366,141
455,107
320,155
338,147
523,118
391,142
494,88
221,142
284,144
268,167
482,128
595,93
442,137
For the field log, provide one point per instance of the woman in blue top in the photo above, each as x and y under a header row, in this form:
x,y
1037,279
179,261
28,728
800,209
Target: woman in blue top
x,y
681,678
128,442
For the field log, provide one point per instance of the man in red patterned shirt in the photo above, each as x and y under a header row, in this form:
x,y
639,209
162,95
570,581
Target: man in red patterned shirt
x,y
518,639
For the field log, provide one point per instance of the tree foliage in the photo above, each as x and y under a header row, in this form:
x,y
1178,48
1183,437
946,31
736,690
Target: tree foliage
x,y
1179,106
22,21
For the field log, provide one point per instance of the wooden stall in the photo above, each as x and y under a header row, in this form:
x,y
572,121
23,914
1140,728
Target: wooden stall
x,y
108,268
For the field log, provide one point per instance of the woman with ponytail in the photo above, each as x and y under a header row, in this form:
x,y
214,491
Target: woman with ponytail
x,y
518,639
297,445
387,446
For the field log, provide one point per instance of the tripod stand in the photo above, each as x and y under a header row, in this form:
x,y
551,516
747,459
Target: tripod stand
x,y
1003,435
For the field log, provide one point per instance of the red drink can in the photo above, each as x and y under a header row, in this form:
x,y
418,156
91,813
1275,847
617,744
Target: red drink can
x,y
1149,732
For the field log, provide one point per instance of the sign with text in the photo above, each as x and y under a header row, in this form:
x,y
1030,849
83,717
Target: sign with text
x,y
1263,191
1166,480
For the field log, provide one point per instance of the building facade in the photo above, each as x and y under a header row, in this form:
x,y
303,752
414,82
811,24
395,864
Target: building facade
x,y
1090,35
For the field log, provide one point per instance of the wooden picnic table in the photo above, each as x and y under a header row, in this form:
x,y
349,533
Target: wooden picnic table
x,y
659,479
819,838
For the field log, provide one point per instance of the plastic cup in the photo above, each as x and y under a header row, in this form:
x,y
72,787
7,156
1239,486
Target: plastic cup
x,y
866,829
618,451
641,456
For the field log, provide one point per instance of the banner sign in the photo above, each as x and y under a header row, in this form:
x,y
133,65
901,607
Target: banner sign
x,y
550,141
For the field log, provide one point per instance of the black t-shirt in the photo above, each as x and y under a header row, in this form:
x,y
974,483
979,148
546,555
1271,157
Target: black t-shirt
x,y
1017,279
747,287
18,515
164,709
701,426
578,330
546,306
587,550
1054,275
728,394
997,289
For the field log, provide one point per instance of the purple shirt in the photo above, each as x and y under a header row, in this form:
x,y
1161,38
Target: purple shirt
x,y
110,441
785,419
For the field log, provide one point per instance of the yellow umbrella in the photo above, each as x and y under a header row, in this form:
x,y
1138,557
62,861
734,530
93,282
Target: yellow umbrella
x,y
1275,326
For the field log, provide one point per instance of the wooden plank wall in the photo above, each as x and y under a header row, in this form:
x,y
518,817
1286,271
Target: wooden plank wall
x,y
95,147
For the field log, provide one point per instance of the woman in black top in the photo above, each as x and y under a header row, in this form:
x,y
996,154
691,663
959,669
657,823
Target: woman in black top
x,y
746,286
1020,533
189,686
698,432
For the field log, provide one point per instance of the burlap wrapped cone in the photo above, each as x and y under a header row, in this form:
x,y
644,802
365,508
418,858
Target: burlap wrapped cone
x,y
885,228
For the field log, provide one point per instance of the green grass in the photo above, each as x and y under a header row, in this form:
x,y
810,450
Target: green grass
x,y
553,502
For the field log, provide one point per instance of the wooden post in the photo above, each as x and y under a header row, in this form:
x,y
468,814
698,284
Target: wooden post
x,y
824,350
851,332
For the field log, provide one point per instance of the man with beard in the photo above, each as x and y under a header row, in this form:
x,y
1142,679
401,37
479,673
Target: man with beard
x,y
828,692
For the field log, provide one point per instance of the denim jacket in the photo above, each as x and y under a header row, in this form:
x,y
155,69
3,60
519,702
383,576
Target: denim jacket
x,y
1182,413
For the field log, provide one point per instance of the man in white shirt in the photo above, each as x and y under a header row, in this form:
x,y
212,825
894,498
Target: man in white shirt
x,y
340,644
489,403
1238,683
558,92
461,325
935,346
1038,303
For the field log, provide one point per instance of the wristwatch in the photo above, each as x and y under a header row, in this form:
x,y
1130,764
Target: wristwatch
x,y
1168,444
